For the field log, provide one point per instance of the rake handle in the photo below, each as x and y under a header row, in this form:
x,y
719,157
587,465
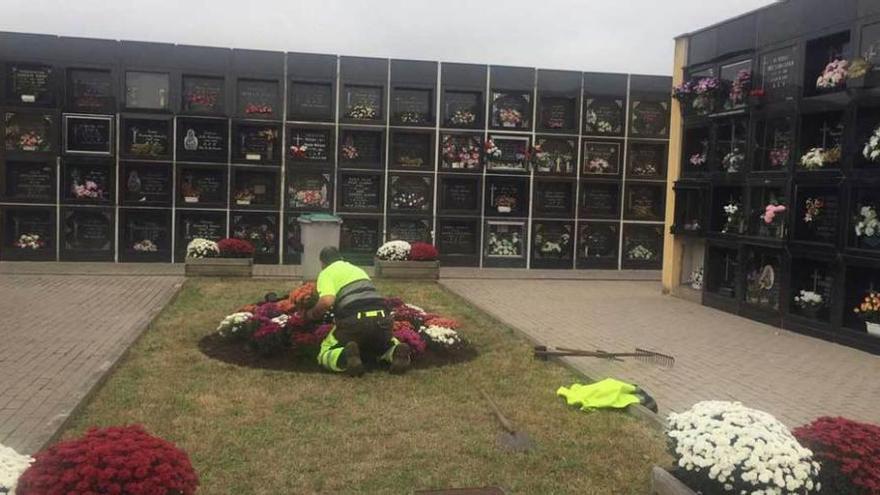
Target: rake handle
x,y
505,423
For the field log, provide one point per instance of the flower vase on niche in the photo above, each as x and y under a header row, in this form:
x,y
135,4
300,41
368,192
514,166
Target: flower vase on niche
x,y
190,142
189,191
868,227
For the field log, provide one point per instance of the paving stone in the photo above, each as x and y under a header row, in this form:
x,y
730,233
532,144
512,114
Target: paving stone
x,y
718,355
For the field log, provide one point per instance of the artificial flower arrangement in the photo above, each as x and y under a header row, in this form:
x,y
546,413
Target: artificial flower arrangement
x,y
834,75
258,109
30,141
696,280
120,460
29,241
510,117
261,237
244,196
503,246
504,203
817,158
598,125
12,465
858,68
145,246
272,327
409,201
312,198
779,157
598,165
412,117
463,117
362,112
349,151
644,168
812,209
149,148
458,155
868,225
809,300
698,159
202,248
733,218
701,93
235,248
491,150
739,89
299,151
725,447
87,190
871,150
869,310
639,252
190,193
733,161
201,98
555,122
550,161
848,451
770,211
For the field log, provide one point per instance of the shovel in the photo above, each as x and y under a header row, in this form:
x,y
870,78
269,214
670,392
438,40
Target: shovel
x,y
510,438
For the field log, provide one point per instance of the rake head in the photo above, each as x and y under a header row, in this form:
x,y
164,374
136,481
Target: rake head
x,y
656,358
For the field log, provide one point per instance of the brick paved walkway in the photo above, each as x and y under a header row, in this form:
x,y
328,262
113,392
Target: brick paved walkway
x,y
59,336
718,355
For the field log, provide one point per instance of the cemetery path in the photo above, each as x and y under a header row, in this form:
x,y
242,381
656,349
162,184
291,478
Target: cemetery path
x,y
718,355
59,336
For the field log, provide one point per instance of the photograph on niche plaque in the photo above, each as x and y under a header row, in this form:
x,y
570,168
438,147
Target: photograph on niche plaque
x,y
310,145
507,196
642,246
552,244
644,202
30,84
505,241
597,244
359,238
201,186
146,138
88,134
412,150
293,246
147,184
604,116
554,156
310,191
311,101
361,148
462,108
90,90
191,225
458,239
28,234
409,229
256,143
646,161
261,230
258,99
459,194
599,200
410,192
601,158
87,181
29,182
763,284
461,152
146,235
147,90
28,132
360,192
362,102
554,198
558,113
87,233
254,188
649,118
511,109
202,140
203,94
507,153
412,106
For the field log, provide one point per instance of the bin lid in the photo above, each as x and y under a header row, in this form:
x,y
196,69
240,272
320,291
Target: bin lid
x,y
318,218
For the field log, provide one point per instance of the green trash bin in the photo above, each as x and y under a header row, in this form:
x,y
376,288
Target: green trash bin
x,y
317,230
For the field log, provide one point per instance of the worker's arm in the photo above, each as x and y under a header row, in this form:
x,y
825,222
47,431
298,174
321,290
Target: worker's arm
x,y
324,304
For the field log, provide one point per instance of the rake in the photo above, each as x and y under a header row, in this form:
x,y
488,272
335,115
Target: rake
x,y
644,355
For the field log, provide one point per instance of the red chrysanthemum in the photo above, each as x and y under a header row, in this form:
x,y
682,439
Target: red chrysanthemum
x,y
117,460
849,452
235,248
404,332
422,251
442,321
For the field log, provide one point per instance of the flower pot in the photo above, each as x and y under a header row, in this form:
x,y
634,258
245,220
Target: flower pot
x,y
873,328
811,312
243,202
190,199
503,209
664,483
871,241
219,267
418,270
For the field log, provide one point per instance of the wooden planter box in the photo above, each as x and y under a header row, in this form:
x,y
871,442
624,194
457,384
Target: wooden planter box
x,y
412,270
664,483
219,267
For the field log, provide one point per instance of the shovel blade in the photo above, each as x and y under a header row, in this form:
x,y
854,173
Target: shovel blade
x,y
515,442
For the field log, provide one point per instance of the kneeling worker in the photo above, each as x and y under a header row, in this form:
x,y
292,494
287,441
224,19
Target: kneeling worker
x,y
363,329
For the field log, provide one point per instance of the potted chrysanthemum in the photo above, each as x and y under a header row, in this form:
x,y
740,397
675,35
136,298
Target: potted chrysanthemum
x,y
226,258
400,259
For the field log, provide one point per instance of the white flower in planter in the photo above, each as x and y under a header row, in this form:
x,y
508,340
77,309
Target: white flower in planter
x,y
394,251
12,465
445,337
233,323
202,248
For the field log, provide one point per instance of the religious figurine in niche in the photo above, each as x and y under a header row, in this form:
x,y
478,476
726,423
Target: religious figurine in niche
x,y
189,191
759,283
190,142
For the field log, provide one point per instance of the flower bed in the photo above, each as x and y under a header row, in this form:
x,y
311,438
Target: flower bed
x,y
402,260
849,452
226,258
275,333
12,465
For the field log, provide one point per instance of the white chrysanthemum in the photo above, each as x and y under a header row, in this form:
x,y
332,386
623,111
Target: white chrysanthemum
x,y
394,251
233,323
12,465
202,248
441,335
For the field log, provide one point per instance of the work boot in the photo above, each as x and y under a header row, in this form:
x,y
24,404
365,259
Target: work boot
x,y
400,358
353,364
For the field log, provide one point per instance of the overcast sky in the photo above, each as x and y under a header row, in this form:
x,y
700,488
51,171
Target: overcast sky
x,y
590,35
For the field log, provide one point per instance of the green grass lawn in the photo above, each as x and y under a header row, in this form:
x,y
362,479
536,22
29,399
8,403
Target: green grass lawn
x,y
262,431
